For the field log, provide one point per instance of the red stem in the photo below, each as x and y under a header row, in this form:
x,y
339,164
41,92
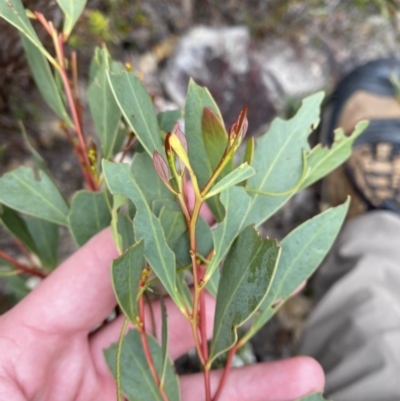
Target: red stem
x,y
26,269
43,21
146,348
78,153
222,382
75,116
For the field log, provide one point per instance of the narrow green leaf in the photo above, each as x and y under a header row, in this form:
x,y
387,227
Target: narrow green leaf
x,y
90,213
16,225
20,191
279,153
146,225
72,10
173,224
103,107
183,289
125,229
45,236
248,156
167,119
117,202
245,279
126,272
236,203
238,175
214,136
323,160
17,286
213,282
164,342
120,396
40,164
44,79
7,269
158,204
145,175
13,11
136,379
204,243
197,99
313,397
302,252
137,109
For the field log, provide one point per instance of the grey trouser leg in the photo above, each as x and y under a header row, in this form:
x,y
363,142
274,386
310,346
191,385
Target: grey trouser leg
x,y
354,331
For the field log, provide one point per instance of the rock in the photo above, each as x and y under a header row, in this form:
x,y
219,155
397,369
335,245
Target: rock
x,y
295,70
221,59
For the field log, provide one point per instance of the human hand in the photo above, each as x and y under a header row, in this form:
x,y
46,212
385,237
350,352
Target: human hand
x,y
48,353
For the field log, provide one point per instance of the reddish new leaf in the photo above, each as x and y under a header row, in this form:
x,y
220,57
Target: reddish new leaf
x,y
161,168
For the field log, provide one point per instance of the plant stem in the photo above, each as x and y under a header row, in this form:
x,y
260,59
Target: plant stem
x,y
81,151
23,268
59,46
198,319
146,348
225,373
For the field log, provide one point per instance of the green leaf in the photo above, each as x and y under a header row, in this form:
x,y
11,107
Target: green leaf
x,y
72,10
164,341
173,224
136,379
44,79
20,191
302,252
183,289
238,175
7,269
323,160
236,203
158,204
245,279
197,99
40,164
117,202
278,159
214,136
90,213
167,119
125,229
146,225
45,236
213,282
145,175
204,243
17,226
313,397
13,11
103,107
137,109
126,272
17,286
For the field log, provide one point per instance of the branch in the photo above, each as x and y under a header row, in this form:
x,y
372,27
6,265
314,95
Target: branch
x,y
23,268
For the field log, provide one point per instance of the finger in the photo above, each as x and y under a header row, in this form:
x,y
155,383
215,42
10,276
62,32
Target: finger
x,y
179,331
78,295
285,380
